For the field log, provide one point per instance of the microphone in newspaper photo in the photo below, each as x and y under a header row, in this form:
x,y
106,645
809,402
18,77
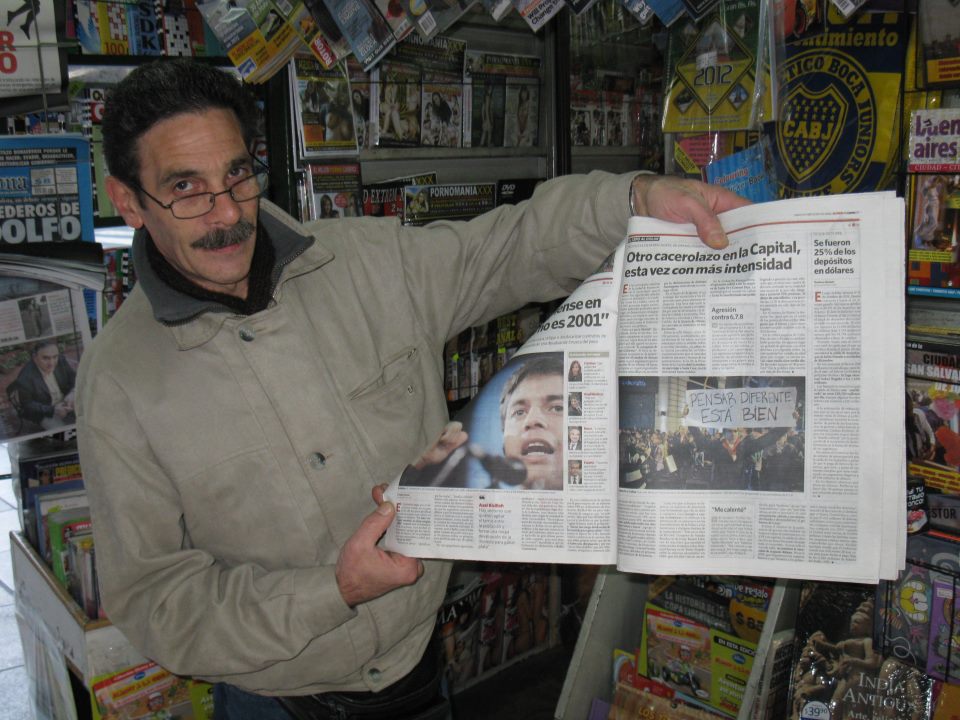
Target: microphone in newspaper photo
x,y
452,471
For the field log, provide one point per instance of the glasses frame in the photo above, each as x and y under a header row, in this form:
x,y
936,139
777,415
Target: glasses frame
x,y
263,169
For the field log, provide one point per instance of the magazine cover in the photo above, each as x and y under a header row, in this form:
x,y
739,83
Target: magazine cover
x,y
433,17
360,103
399,104
837,670
939,29
522,121
327,44
933,412
336,190
46,189
442,102
365,29
385,198
149,691
933,234
488,97
426,203
325,114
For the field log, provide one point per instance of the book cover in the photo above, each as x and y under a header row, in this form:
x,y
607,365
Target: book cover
x,y
837,670
933,234
943,648
40,467
62,525
68,495
148,691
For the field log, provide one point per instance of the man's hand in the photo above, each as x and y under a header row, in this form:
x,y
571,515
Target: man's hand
x,y
452,437
364,571
679,200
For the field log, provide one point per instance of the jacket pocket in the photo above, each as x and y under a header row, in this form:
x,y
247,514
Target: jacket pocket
x,y
389,408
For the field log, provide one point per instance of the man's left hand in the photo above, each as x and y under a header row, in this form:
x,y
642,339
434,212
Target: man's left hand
x,y
680,200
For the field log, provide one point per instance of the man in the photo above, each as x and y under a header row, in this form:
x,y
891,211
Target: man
x,y
574,435
43,391
531,413
265,378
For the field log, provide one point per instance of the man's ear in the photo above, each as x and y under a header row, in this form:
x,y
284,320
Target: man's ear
x,y
125,200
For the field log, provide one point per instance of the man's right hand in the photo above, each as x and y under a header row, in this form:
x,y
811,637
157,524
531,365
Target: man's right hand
x,y
363,570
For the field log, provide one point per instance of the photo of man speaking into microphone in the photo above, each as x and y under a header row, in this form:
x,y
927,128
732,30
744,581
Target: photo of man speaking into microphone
x,y
510,437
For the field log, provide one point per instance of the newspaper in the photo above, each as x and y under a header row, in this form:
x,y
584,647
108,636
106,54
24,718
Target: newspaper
x,y
694,411
44,327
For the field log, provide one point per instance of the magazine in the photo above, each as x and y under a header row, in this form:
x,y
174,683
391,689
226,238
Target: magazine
x,y
324,116
47,195
363,26
426,203
694,411
335,190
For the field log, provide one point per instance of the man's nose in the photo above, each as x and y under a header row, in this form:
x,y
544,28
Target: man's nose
x,y
536,418
225,210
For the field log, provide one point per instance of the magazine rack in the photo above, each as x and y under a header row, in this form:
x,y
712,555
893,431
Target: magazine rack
x,y
614,618
47,614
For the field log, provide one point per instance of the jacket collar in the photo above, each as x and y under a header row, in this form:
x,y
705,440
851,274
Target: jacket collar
x,y
171,307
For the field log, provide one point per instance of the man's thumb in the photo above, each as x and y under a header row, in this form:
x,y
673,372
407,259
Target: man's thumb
x,y
377,522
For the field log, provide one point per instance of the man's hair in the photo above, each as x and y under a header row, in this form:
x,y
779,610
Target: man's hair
x,y
38,346
542,365
159,90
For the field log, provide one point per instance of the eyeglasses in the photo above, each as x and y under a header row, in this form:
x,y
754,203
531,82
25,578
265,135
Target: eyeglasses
x,y
193,206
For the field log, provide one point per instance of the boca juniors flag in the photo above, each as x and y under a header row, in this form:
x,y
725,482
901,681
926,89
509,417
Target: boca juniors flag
x,y
838,120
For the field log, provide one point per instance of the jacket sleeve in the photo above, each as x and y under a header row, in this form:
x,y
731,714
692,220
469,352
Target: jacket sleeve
x,y
460,274
174,602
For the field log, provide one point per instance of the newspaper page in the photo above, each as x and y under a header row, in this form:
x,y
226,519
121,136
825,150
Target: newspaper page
x,y
524,471
761,393
43,330
719,411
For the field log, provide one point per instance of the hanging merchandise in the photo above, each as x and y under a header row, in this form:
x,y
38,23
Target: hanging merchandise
x,y
713,68
838,119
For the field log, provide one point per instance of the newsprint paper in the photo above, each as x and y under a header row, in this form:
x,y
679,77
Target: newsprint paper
x,y
689,410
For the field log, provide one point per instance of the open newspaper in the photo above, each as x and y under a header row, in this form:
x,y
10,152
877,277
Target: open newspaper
x,y
689,410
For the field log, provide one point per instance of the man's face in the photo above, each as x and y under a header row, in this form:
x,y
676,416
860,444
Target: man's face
x,y
46,359
186,154
574,434
533,430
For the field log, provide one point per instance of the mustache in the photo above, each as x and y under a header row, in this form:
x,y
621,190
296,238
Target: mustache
x,y
221,238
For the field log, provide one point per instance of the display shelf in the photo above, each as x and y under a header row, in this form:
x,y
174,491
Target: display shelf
x,y
89,647
614,618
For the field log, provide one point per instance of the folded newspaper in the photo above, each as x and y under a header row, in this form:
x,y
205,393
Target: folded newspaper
x,y
689,410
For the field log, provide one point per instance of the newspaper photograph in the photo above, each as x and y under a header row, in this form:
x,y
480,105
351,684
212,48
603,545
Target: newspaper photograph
x,y
694,411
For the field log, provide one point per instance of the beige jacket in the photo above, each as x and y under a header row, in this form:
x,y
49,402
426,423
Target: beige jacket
x,y
228,458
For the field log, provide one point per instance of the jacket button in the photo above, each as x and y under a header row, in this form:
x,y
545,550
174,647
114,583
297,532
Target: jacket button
x,y
317,460
247,334
373,674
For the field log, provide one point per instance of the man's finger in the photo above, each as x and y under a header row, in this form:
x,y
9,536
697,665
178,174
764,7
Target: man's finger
x,y
375,524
